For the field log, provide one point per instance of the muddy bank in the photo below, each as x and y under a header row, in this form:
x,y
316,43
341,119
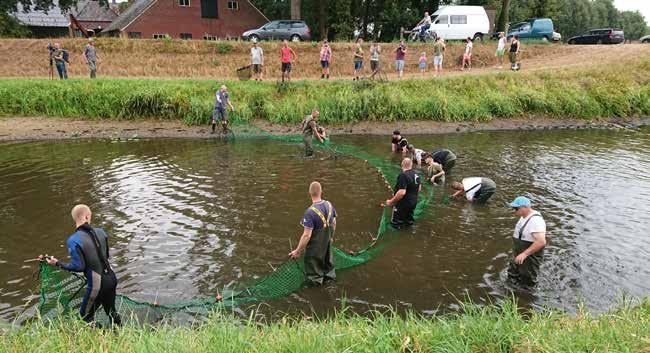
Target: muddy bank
x,y
39,128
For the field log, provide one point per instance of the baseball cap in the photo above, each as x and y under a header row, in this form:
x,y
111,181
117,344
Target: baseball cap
x,y
520,201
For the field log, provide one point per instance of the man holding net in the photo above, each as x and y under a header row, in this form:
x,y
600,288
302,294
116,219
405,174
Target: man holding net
x,y
319,225
310,129
221,103
88,248
405,198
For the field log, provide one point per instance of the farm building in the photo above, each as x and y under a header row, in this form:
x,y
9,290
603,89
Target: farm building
x,y
186,19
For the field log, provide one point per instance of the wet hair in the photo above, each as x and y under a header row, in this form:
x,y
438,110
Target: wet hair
x,y
396,132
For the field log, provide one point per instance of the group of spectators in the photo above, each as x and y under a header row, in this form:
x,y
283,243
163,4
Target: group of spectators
x,y
59,58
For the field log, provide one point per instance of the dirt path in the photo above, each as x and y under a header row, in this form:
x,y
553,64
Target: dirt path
x,y
39,128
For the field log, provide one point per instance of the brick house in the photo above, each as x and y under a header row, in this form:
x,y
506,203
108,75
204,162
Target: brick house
x,y
186,19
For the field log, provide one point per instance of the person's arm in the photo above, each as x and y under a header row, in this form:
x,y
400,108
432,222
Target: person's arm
x,y
315,130
398,196
457,193
302,244
538,244
433,178
231,106
393,147
295,56
333,229
77,263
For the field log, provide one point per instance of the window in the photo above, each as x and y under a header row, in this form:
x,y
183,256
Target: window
x,y
135,35
284,25
209,9
297,25
458,19
159,36
184,3
209,37
186,35
272,25
233,5
443,20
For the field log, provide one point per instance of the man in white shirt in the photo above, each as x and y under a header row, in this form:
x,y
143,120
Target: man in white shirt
x,y
476,189
425,24
257,61
417,155
501,50
528,242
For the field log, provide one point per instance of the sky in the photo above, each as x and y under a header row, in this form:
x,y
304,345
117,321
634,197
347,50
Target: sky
x,y
642,5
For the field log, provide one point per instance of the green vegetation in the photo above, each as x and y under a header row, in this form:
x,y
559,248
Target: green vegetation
x,y
619,90
476,329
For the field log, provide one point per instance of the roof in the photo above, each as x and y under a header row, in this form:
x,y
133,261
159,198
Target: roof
x,y
39,18
91,10
132,12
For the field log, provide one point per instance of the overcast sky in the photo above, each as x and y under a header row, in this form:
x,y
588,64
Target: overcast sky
x,y
642,5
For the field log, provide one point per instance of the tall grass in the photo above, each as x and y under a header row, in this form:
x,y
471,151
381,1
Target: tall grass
x,y
619,90
475,329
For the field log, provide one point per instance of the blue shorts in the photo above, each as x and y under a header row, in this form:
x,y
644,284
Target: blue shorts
x,y
358,65
437,60
423,66
324,64
399,64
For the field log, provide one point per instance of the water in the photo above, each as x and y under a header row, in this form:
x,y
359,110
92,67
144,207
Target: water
x,y
187,217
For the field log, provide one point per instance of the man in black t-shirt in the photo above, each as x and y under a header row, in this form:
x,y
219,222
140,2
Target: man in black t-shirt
x,y
399,143
406,195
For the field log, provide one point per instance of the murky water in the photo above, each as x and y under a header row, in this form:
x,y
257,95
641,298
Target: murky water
x,y
187,217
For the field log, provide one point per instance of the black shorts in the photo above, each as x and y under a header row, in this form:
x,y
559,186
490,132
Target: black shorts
x,y
220,114
257,68
402,216
286,67
324,64
374,65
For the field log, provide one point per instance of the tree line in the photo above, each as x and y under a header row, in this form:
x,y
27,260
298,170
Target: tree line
x,y
382,19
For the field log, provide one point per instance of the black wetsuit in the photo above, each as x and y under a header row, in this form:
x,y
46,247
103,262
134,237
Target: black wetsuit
x,y
444,157
404,208
400,142
88,249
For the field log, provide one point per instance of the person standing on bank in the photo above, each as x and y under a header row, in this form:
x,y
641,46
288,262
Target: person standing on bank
x,y
405,198
60,61
257,61
88,248
325,60
287,55
375,51
310,129
220,112
476,189
528,242
400,57
358,59
319,225
91,57
513,54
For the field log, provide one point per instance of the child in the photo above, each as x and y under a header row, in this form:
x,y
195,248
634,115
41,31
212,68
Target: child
x,y
423,62
467,56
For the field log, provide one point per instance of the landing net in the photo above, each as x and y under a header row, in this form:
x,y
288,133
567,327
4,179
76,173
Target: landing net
x,y
62,291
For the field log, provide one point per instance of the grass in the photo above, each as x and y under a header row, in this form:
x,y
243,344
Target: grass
x,y
474,329
616,90
205,59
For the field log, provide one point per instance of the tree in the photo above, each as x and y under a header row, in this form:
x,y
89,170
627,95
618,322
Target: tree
x,y
502,20
633,24
9,27
295,10
574,18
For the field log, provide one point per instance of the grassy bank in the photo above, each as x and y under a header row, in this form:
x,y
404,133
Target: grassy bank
x,y
618,90
206,59
487,329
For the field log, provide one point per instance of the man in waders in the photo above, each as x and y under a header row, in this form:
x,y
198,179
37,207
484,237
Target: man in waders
x,y
319,223
399,143
444,157
88,248
220,113
528,242
476,189
310,129
406,196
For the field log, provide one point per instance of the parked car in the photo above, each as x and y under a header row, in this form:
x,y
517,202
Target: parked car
x,y
599,36
460,22
284,29
533,28
645,39
557,37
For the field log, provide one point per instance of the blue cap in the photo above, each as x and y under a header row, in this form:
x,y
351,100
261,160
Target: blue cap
x,y
520,201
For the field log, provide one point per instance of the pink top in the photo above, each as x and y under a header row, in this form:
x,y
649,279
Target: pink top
x,y
286,54
423,59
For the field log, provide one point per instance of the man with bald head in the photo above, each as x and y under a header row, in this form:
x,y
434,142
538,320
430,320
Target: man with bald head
x,y
88,248
319,225
406,195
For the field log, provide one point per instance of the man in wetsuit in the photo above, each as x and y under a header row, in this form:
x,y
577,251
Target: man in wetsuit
x,y
444,157
88,248
406,195
310,129
399,143
528,243
319,225
476,189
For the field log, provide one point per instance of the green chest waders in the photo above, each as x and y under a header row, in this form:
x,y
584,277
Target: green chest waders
x,y
526,273
319,264
307,135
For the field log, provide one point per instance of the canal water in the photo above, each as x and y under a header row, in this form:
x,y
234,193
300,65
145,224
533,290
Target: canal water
x,y
188,217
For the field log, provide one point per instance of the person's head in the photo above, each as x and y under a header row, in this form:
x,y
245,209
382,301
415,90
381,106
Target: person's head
x,y
255,42
285,43
315,113
326,43
91,41
374,43
401,43
469,39
81,214
457,186
501,34
516,37
359,40
315,190
426,13
521,205
57,45
407,164
223,88
424,53
397,133
428,158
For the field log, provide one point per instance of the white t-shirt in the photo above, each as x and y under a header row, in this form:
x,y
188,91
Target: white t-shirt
x,y
427,20
256,55
535,225
418,155
468,48
502,43
471,186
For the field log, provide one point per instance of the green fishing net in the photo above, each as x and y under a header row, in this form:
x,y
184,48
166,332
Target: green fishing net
x,y
62,291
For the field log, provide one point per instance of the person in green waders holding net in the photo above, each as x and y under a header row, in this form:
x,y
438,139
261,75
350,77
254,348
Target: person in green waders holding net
x,y
319,224
528,243
310,129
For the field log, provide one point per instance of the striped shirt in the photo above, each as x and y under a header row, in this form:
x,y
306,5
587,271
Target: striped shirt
x,y
325,53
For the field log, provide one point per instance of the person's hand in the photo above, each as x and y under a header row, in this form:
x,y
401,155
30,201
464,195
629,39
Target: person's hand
x,y
521,258
294,254
387,203
51,260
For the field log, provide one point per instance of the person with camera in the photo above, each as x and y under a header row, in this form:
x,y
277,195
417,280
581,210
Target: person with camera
x,y
60,57
91,57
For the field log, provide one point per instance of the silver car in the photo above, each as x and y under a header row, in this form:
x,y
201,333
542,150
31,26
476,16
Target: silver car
x,y
284,29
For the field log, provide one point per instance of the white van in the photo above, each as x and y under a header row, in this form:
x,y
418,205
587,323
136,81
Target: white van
x,y
460,22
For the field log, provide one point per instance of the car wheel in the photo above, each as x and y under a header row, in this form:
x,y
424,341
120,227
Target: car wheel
x,y
545,39
646,41
295,38
478,37
254,38
572,42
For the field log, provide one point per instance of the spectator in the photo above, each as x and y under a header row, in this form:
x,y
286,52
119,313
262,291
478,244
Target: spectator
x,y
286,56
375,51
91,57
358,59
501,49
60,60
423,63
400,56
257,61
467,56
515,46
325,59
